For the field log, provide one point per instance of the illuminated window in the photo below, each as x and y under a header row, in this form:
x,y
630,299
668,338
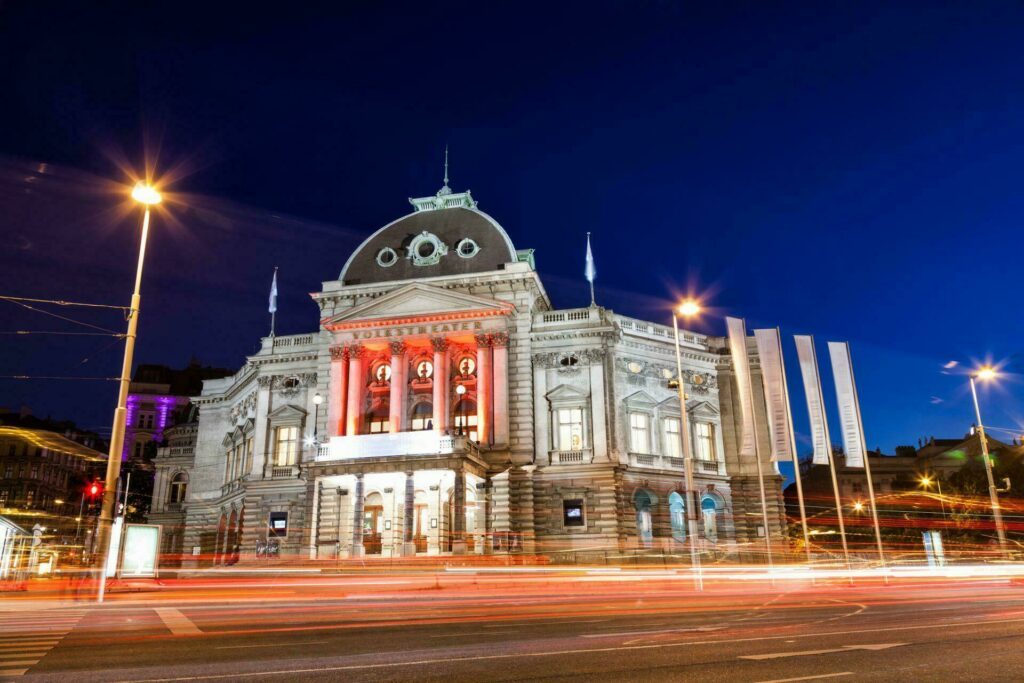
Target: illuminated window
x,y
570,429
703,436
466,365
422,416
671,445
572,513
382,373
178,486
639,433
287,442
466,418
424,369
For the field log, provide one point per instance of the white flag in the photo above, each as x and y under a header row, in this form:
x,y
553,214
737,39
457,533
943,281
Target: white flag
x,y
273,294
741,365
591,270
849,408
769,350
812,389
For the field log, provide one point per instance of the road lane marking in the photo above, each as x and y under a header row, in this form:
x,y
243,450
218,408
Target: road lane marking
x,y
808,653
12,672
809,678
239,647
176,622
692,629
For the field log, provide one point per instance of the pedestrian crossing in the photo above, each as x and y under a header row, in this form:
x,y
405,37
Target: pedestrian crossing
x,y
26,637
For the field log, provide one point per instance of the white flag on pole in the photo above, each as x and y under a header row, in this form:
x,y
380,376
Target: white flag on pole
x,y
849,408
590,270
273,294
769,350
812,389
741,365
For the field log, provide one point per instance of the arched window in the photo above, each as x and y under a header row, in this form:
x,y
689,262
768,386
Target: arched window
x,y
178,485
643,501
422,416
710,505
378,420
677,513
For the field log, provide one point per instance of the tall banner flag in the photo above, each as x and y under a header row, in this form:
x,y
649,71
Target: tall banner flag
x,y
769,350
815,406
741,364
849,410
590,270
272,308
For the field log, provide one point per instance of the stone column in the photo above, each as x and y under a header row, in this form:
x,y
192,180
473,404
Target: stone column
x,y
483,388
354,409
408,545
527,510
541,412
357,519
459,523
441,382
260,441
337,392
598,416
396,403
499,342
160,490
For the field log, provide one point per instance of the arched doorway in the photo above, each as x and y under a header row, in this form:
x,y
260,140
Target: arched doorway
x,y
421,522
677,515
643,502
373,524
711,504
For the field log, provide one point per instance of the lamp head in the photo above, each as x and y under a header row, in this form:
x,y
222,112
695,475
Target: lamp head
x,y
689,308
986,373
926,481
146,194
460,389
318,399
858,506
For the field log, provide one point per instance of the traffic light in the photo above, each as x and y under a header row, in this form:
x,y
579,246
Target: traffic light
x,y
94,489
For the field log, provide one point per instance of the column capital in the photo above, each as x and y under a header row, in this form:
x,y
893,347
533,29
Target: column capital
x,y
482,340
355,350
339,352
398,348
264,381
499,339
440,344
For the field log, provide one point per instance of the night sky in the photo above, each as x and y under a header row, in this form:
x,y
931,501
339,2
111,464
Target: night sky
x,y
848,170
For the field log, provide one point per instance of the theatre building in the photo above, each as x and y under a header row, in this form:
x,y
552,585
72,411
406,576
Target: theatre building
x,y
443,406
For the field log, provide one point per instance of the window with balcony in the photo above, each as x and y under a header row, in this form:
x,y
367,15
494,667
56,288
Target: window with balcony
x,y
704,441
671,446
286,448
640,432
570,432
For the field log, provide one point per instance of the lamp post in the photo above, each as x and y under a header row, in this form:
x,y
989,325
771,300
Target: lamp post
x,y
987,373
147,196
460,389
687,309
313,441
926,482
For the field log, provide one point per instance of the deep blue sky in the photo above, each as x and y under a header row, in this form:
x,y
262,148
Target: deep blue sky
x,y
850,170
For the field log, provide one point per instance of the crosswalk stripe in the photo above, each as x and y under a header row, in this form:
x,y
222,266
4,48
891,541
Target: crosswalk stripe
x,y
26,638
12,672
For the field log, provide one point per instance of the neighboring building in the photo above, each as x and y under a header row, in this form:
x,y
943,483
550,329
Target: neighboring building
x,y
173,461
462,414
42,479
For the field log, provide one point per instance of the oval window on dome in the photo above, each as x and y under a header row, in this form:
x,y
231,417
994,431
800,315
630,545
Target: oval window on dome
x,y
426,249
387,257
467,248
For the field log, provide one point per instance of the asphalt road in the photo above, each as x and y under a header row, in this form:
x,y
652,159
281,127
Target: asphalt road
x,y
498,628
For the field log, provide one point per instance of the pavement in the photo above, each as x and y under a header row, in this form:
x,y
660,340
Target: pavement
x,y
528,625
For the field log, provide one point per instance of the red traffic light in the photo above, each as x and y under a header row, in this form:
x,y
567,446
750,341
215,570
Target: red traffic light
x,y
94,489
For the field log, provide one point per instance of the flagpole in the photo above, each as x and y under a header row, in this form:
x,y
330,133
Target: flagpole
x,y
757,456
590,271
792,441
867,458
273,302
831,461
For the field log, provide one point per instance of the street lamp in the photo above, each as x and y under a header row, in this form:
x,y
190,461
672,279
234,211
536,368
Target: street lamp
x,y
926,482
687,309
147,196
313,441
858,506
460,389
987,373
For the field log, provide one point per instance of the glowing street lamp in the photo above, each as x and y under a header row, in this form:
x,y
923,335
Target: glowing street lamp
x,y
687,309
858,506
147,196
459,416
926,482
987,373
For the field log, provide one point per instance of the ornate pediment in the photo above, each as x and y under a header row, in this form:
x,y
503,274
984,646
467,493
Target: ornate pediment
x,y
640,399
565,392
287,413
416,303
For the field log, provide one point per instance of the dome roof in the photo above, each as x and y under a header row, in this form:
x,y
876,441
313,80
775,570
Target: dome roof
x,y
446,235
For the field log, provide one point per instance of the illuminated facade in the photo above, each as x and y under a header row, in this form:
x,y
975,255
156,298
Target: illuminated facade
x,y
460,413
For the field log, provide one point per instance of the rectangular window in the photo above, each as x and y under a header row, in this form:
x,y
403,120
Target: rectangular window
x,y
287,448
570,429
572,513
278,522
465,425
639,433
379,425
703,437
248,456
672,446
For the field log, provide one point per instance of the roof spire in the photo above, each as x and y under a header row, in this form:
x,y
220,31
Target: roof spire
x,y
445,190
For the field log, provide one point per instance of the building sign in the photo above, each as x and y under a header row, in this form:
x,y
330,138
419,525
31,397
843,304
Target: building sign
x,y
413,330
278,524
141,548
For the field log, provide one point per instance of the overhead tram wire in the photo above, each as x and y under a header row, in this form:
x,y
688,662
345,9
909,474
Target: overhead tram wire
x,y
17,302
60,302
103,379
76,334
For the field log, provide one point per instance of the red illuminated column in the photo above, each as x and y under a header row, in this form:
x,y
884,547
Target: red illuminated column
x,y
396,417
354,409
499,342
483,388
337,396
440,378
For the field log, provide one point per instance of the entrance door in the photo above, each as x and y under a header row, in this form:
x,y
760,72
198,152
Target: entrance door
x,y
373,527
422,527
